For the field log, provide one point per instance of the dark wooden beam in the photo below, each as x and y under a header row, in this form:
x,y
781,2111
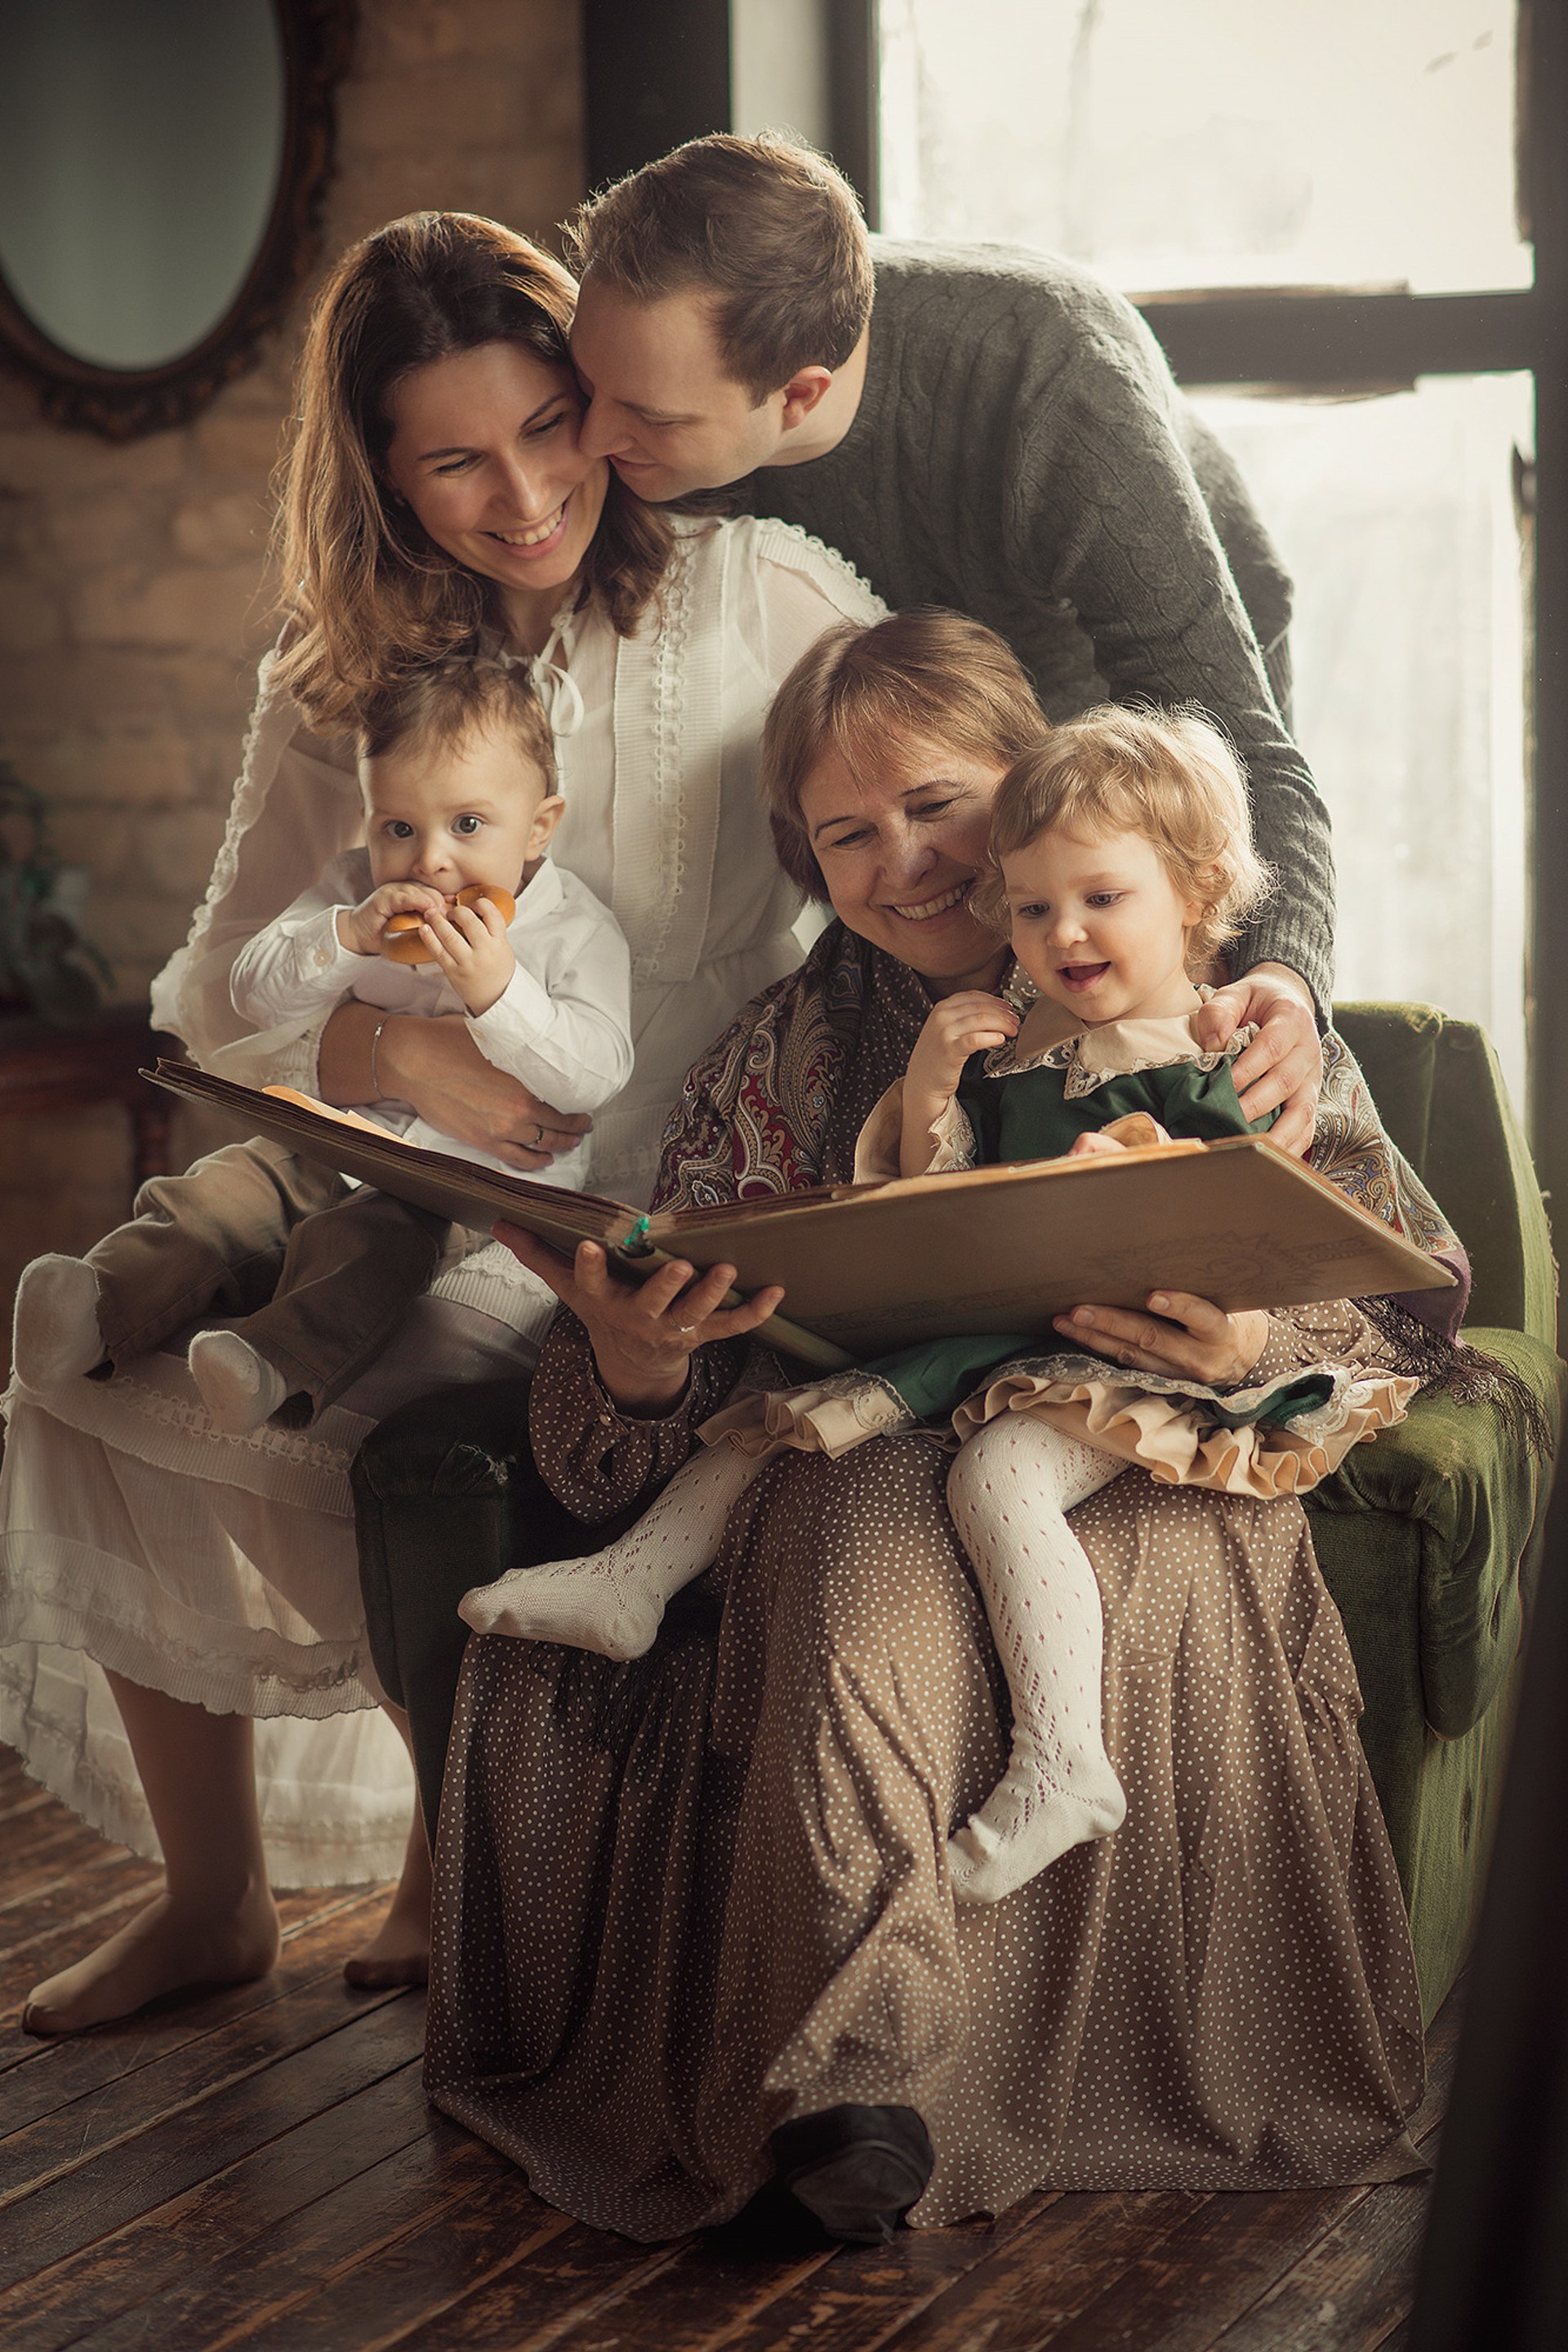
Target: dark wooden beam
x,y
852,65
652,78
1301,336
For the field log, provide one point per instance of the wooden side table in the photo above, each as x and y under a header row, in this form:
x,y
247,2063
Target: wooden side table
x,y
47,1069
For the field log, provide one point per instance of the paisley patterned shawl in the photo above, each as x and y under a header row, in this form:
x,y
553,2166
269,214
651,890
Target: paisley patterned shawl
x,y
776,1103
1351,1148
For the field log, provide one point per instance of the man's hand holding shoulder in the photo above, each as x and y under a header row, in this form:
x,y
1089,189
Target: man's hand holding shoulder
x,y
1284,1063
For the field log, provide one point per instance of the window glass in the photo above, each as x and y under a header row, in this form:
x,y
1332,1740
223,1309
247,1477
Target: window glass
x,y
1246,142
1397,518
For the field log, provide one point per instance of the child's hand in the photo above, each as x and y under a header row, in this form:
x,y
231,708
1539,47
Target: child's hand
x,y
959,1026
1133,1132
472,946
359,928
956,1027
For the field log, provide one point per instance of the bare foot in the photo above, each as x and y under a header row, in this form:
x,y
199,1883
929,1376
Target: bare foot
x,y
399,1951
163,1949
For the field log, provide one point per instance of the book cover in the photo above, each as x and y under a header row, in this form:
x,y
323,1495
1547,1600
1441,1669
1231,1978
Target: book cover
x,y
871,1268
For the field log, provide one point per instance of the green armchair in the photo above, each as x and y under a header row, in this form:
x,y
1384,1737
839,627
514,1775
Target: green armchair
x,y
1429,1538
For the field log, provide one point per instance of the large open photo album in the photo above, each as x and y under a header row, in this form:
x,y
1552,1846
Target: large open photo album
x,y
871,1268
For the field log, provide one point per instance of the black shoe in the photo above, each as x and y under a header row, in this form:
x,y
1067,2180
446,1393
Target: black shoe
x,y
858,2169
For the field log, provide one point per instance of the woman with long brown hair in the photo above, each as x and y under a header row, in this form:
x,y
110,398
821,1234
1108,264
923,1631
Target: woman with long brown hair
x,y
163,1587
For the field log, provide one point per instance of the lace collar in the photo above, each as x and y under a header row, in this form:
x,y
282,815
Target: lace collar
x,y
1091,1057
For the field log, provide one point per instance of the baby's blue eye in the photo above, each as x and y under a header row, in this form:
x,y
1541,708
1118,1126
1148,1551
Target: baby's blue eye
x,y
399,830
467,826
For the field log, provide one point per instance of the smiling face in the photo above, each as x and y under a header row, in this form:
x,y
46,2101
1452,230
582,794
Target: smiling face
x,y
485,449
900,849
475,811
1100,927
662,408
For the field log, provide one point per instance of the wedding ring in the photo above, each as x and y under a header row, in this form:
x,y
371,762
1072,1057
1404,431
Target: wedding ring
x,y
538,1135
686,1329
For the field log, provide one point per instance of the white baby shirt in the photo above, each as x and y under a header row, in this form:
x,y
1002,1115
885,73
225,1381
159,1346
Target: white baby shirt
x,y
563,1026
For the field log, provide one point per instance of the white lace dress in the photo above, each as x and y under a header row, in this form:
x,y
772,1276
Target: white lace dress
x,y
222,1570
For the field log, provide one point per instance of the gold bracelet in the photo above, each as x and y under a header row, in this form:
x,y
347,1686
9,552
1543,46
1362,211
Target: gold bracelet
x,y
376,1093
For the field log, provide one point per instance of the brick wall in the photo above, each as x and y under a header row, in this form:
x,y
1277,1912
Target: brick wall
x,y
133,594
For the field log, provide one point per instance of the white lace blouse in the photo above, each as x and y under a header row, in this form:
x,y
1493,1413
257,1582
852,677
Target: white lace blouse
x,y
664,822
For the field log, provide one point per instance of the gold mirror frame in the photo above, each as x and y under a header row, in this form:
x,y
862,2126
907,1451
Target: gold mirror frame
x,y
316,41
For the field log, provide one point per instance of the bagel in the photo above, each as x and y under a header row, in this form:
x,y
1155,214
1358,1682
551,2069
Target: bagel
x,y
400,940
476,891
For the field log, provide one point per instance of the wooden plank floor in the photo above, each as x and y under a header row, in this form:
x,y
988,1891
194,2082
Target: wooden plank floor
x,y
258,2168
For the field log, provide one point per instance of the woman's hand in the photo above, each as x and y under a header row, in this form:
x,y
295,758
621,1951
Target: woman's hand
x,y
438,1067
956,1027
1181,1336
435,1066
643,1334
1284,1063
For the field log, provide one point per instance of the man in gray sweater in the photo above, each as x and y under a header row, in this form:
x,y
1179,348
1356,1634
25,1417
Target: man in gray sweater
x,y
980,427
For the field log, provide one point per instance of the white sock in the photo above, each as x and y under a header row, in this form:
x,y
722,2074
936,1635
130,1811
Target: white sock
x,y
55,1336
613,1601
240,1388
1008,1492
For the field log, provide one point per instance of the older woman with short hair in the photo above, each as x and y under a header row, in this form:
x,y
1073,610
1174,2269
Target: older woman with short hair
x,y
694,1925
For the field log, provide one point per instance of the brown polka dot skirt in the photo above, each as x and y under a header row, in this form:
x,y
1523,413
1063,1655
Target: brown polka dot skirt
x,y
683,1900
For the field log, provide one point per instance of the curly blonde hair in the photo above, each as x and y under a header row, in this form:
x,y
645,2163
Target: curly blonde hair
x,y
1168,775
368,596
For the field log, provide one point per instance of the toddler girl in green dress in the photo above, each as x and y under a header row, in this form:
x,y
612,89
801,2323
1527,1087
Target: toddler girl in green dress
x,y
1122,861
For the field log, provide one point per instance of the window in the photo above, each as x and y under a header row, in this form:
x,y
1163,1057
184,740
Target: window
x,y
1337,185
1221,145
1397,518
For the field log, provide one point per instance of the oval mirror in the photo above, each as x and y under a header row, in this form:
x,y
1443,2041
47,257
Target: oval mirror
x,y
162,163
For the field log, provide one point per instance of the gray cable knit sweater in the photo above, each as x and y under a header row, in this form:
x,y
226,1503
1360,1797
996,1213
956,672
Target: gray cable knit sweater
x,y
1021,453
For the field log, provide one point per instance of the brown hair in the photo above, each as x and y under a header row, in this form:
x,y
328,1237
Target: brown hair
x,y
921,674
437,707
1169,776
768,226
368,594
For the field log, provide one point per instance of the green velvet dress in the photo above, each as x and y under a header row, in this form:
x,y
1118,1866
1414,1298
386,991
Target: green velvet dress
x,y
1039,1113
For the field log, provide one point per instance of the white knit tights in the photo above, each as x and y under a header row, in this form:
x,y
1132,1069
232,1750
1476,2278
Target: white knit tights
x,y
613,1601
1008,1492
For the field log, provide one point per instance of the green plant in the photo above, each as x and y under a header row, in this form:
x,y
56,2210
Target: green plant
x,y
44,961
